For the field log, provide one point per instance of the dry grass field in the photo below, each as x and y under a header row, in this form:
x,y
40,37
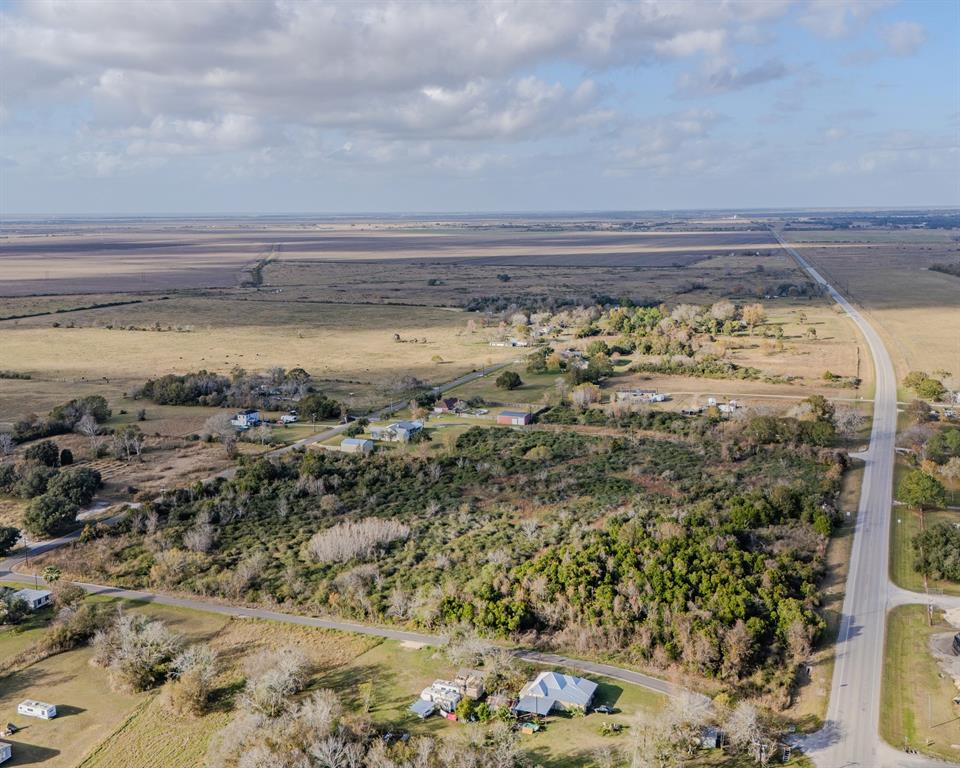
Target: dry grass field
x,y
887,272
156,738
350,350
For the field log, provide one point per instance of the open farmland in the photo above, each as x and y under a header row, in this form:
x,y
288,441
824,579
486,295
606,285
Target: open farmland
x,y
888,273
348,349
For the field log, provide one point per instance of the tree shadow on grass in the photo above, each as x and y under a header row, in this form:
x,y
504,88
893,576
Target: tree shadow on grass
x,y
32,677
223,698
348,683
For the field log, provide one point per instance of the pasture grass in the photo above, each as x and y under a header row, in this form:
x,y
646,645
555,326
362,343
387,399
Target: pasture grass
x,y
916,708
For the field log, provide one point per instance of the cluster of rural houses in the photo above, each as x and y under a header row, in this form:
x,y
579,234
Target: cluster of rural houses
x,y
547,692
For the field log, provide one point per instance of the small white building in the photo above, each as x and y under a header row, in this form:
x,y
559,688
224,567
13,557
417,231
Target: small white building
x,y
6,751
40,709
34,598
246,419
356,445
289,418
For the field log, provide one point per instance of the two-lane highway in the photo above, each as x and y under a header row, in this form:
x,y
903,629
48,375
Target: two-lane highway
x,y
851,734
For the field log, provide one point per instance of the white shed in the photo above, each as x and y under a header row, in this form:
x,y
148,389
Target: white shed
x,y
40,709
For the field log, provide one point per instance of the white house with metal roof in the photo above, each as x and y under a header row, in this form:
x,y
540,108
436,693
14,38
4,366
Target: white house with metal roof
x,y
553,690
398,432
34,598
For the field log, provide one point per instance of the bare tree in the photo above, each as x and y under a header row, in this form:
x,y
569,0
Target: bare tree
x,y
350,540
7,444
263,434
747,732
723,311
193,672
848,421
89,428
201,536
272,678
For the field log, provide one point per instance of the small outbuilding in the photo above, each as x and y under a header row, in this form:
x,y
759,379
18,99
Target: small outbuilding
x,y
34,598
31,708
514,418
423,708
471,683
356,445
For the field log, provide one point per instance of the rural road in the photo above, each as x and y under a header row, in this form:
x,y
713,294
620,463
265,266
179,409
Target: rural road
x,y
851,735
7,570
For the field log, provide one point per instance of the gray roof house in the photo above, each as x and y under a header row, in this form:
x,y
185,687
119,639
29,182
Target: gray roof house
x,y
34,598
398,432
552,690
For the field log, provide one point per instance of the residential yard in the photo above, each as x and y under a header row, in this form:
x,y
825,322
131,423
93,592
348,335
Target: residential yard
x,y
87,708
160,739
389,677
532,392
917,707
904,525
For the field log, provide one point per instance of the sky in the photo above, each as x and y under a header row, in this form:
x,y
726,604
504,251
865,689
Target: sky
x,y
240,106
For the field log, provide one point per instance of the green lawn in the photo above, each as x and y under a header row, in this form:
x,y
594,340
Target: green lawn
x,y
533,389
904,525
394,675
916,708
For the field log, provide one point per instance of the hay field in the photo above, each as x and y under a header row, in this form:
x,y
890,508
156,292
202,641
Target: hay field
x,y
350,349
887,273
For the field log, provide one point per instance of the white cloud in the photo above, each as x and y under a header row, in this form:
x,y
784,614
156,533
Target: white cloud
x,y
835,19
903,38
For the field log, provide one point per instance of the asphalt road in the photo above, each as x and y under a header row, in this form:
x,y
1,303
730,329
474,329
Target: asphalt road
x,y
850,736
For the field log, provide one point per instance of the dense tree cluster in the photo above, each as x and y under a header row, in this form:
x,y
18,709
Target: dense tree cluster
x,y
655,547
925,385
937,552
241,389
55,493
64,418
